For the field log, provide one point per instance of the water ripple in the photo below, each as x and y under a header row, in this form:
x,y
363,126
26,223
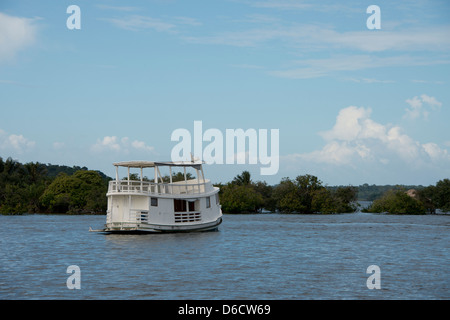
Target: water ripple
x,y
268,256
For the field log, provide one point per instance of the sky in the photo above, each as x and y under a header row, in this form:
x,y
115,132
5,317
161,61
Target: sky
x,y
353,104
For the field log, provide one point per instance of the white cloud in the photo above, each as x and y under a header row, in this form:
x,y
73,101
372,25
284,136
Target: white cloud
x,y
138,22
123,145
140,145
420,107
16,34
284,5
368,80
406,48
431,101
311,37
356,139
187,21
116,8
14,142
314,68
429,39
435,153
302,5
107,143
353,123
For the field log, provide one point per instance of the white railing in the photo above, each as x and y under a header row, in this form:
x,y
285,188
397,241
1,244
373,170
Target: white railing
x,y
136,217
139,216
188,187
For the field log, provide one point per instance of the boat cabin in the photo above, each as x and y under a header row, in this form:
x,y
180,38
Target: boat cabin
x,y
177,198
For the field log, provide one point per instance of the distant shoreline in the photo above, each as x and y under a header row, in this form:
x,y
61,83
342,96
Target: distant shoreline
x,y
53,189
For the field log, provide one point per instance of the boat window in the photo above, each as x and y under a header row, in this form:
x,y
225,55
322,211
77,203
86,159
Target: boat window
x,y
191,205
154,202
217,198
208,202
179,205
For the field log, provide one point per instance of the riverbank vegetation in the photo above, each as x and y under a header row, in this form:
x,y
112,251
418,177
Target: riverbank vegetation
x,y
414,201
304,194
46,188
39,188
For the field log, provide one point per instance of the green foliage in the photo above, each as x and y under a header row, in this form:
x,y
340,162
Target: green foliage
x,y
442,197
287,198
21,186
82,192
133,176
426,200
368,192
33,187
268,202
306,194
345,199
242,195
240,199
178,176
242,179
397,202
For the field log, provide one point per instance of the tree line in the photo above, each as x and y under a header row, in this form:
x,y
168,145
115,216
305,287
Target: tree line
x,y
45,188
414,201
304,194
39,188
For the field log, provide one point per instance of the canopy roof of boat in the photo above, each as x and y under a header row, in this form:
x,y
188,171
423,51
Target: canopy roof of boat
x,y
151,164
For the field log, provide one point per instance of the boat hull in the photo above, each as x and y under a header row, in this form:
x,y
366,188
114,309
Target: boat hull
x,y
157,228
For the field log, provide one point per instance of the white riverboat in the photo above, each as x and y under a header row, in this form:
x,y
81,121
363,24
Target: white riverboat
x,y
165,203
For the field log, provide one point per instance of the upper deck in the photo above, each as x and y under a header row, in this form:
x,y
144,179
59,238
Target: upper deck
x,y
161,185
189,187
